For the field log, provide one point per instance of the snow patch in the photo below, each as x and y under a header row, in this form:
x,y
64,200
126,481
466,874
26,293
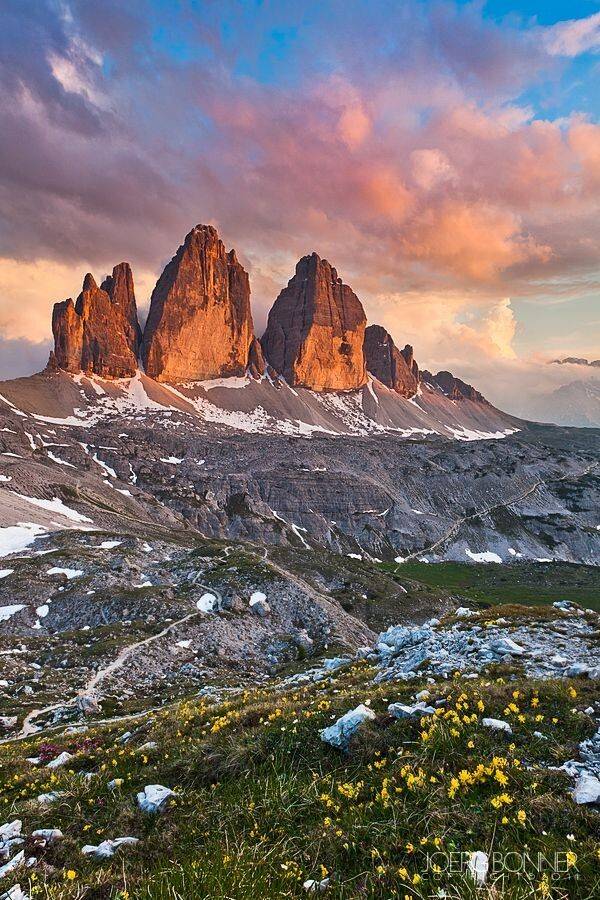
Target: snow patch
x,y
55,505
15,538
7,611
486,556
70,573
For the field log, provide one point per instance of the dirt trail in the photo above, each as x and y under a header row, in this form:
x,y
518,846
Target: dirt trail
x,y
89,688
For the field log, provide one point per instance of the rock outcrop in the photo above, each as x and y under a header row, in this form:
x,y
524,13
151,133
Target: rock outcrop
x,y
315,330
119,287
453,387
200,324
99,333
395,368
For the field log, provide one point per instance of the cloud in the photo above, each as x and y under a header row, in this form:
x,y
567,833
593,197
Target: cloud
x,y
29,290
22,357
573,37
401,151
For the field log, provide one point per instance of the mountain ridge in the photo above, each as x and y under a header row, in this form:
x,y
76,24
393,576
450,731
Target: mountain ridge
x,y
200,328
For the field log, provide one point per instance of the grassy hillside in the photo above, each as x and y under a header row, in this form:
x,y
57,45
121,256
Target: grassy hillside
x,y
521,582
263,805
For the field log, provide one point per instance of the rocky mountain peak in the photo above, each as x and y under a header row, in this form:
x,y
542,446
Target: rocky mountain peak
x,y
453,387
200,324
394,368
99,334
315,330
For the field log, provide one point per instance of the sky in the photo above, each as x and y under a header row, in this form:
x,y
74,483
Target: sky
x,y
444,156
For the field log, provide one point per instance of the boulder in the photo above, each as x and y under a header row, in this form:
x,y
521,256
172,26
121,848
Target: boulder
x,y
154,798
61,760
200,324
339,734
587,789
315,330
402,711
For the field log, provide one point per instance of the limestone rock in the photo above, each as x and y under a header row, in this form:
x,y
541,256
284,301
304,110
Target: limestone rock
x,y
200,324
339,734
154,797
315,330
394,368
119,287
99,334
454,388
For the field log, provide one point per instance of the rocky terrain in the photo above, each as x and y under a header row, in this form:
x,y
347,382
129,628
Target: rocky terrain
x,y
357,775
220,538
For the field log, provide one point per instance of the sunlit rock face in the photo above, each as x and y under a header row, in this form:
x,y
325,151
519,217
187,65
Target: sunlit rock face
x,y
395,368
315,330
99,333
200,324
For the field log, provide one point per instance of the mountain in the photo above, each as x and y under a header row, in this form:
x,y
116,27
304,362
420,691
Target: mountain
x,y
577,361
576,404
406,464
394,368
316,329
200,323
99,334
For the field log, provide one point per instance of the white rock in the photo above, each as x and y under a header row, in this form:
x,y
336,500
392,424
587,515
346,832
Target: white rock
x,y
401,711
17,860
463,612
10,830
206,603
51,797
61,760
15,893
339,734
154,797
507,645
497,725
47,835
587,789
312,886
107,848
478,866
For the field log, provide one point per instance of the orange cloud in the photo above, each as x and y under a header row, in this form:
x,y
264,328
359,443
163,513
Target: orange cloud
x,y
473,239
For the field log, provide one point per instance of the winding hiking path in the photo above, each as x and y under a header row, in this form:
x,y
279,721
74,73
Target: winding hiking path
x,y
29,727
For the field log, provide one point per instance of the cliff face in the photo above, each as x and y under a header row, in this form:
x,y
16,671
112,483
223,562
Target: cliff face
x,y
200,324
394,368
315,330
99,334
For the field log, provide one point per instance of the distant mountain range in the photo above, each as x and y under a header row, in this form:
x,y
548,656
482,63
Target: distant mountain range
x,y
577,361
576,404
